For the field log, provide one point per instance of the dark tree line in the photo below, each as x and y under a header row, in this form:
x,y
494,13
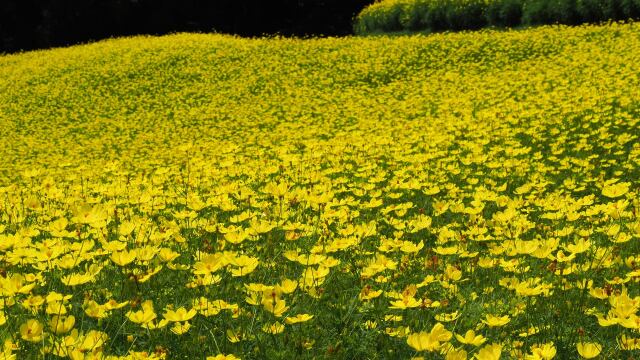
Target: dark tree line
x,y
34,24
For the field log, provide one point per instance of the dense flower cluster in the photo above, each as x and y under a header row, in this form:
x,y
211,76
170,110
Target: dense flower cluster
x,y
452,196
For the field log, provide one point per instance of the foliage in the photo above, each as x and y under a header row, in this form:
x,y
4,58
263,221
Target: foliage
x,y
440,15
454,196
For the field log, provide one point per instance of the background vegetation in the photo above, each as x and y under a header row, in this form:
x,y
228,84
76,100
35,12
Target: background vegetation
x,y
439,15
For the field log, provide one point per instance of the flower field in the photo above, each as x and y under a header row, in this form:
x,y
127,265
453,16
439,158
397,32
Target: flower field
x,y
452,196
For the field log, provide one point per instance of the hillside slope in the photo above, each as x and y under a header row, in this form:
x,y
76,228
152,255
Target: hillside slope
x,y
194,195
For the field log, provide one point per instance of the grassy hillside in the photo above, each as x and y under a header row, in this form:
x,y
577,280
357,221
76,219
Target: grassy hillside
x,y
391,197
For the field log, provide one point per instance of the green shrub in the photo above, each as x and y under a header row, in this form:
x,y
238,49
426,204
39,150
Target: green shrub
x,y
466,15
538,12
600,10
631,9
442,15
412,17
504,13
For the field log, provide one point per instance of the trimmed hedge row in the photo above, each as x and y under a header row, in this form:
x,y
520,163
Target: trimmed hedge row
x,y
440,15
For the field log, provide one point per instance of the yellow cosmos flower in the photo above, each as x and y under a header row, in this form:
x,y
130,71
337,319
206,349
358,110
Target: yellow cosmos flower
x,y
405,302
62,324
180,328
615,190
287,286
495,321
542,352
180,315
429,341
144,315
588,350
489,352
95,310
123,258
448,317
470,338
627,343
298,318
277,307
31,330
456,354
91,341
275,328
223,357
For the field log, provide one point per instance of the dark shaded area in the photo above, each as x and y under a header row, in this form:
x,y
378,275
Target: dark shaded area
x,y
477,14
36,24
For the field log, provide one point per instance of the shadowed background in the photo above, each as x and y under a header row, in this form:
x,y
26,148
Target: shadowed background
x,y
38,24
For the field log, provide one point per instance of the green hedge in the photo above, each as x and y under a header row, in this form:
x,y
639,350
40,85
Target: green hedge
x,y
440,15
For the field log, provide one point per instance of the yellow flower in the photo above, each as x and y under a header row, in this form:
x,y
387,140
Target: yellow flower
x,y
430,341
180,328
277,307
154,325
275,328
180,315
287,286
405,302
423,341
447,317
298,318
31,331
91,341
588,350
456,354
223,357
615,190
471,338
144,315
62,324
123,258
545,352
495,321
95,310
489,352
